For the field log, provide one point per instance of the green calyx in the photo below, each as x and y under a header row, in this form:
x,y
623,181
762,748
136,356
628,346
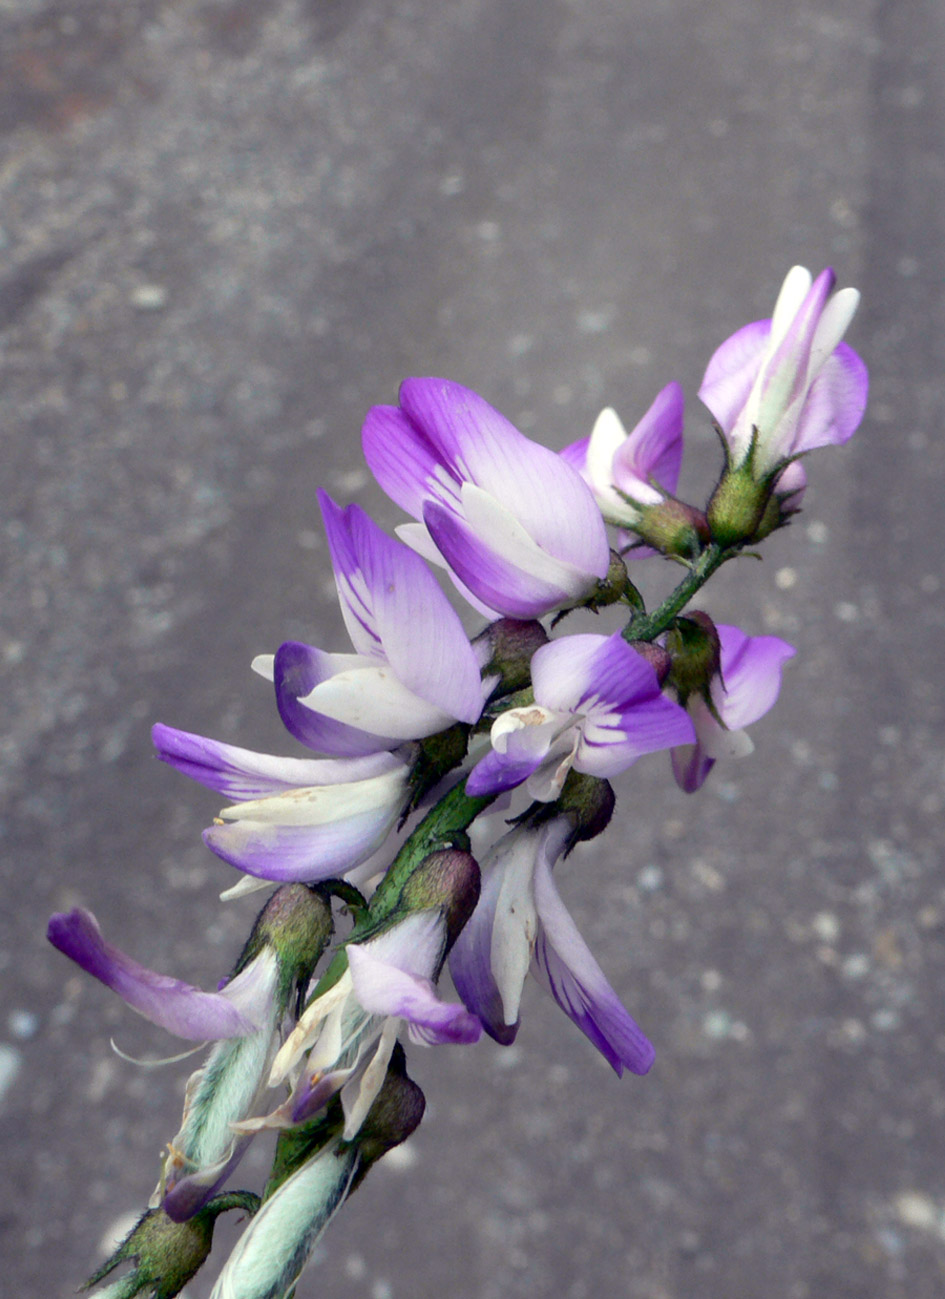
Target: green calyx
x,y
297,924
673,527
695,651
166,1254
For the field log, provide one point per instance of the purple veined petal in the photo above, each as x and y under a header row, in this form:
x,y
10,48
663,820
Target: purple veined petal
x,y
653,449
612,742
787,370
593,671
297,670
751,675
691,766
383,989
405,463
178,1007
563,671
732,370
347,536
564,965
417,629
470,963
500,586
835,404
480,446
417,537
242,774
394,607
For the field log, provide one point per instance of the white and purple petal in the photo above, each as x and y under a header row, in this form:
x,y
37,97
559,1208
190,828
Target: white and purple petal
x,y
241,774
479,445
296,671
396,612
178,1007
383,989
470,963
563,963
750,675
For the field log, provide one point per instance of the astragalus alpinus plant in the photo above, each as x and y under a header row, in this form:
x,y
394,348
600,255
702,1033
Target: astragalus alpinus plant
x,y
417,719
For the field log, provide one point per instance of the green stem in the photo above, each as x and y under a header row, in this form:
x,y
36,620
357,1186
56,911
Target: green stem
x,y
647,627
444,826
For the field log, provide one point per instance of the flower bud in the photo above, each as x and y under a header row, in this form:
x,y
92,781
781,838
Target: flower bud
x,y
673,528
693,645
447,880
296,923
167,1254
586,802
738,505
510,644
612,587
785,500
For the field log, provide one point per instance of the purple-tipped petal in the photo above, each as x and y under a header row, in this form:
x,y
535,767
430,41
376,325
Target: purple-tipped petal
x,y
564,965
242,774
835,404
497,772
691,766
481,446
653,449
610,744
190,1193
403,461
751,675
470,964
344,530
298,669
383,989
575,671
500,584
178,1007
732,371
305,853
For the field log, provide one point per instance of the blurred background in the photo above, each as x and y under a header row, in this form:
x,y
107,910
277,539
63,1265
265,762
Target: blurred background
x,y
229,227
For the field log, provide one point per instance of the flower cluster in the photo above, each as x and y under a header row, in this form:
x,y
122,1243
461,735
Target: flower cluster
x,y
416,719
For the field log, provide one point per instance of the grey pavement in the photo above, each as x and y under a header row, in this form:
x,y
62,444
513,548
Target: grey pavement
x,y
228,228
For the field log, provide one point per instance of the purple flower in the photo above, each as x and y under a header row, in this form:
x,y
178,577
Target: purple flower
x,y
521,924
350,1030
784,386
516,526
627,471
241,1008
745,689
303,819
598,707
414,671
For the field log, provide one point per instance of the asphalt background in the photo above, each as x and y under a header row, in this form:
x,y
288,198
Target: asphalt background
x,y
228,229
